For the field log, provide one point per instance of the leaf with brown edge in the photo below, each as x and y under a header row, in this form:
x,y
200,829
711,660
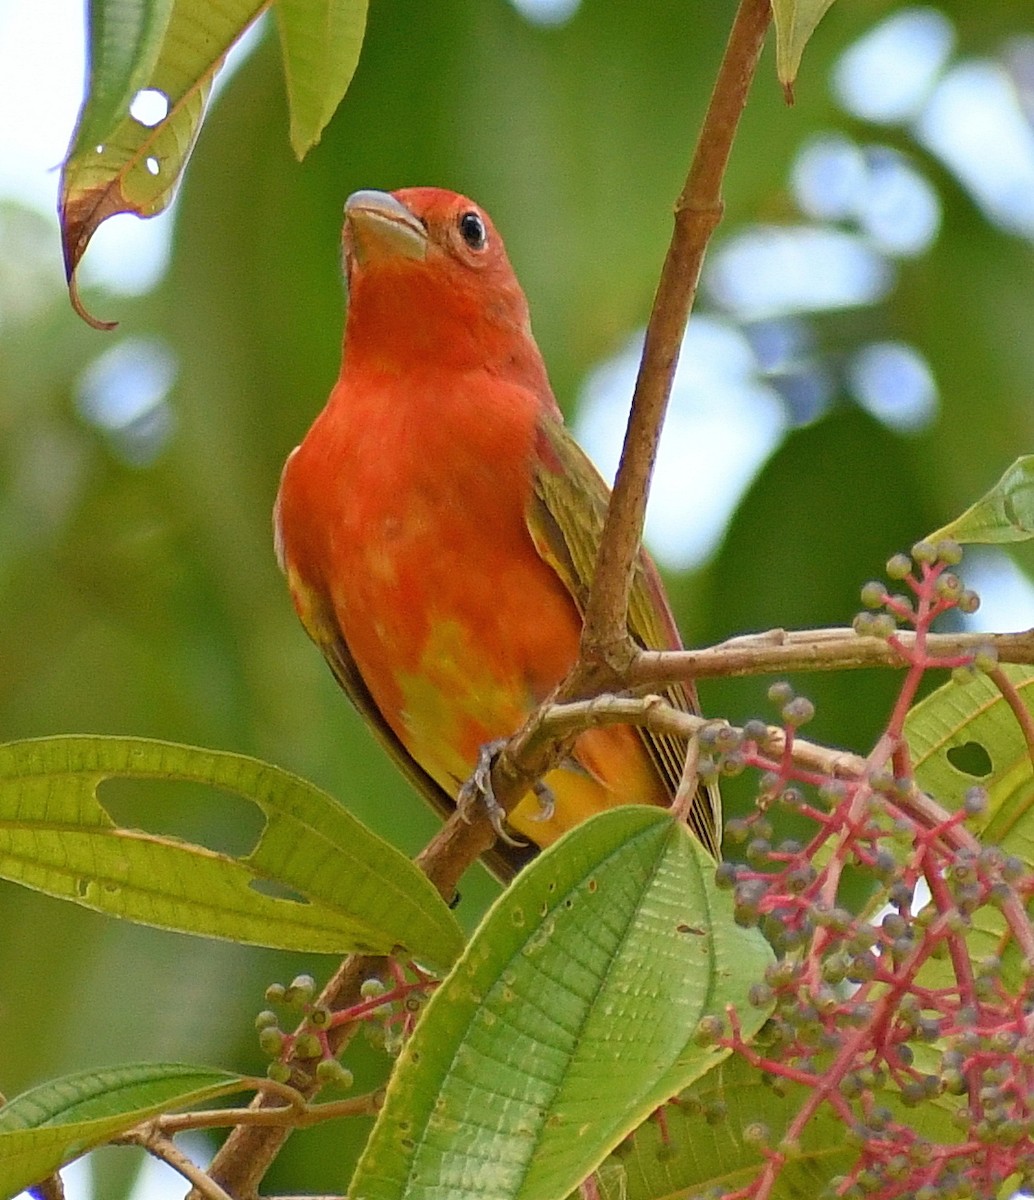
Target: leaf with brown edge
x,y
117,163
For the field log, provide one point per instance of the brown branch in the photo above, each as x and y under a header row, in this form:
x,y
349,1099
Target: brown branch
x,y
698,210
162,1148
560,721
247,1153
780,650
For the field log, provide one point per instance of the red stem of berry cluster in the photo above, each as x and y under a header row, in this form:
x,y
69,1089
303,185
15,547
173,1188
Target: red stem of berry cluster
x,y
878,1013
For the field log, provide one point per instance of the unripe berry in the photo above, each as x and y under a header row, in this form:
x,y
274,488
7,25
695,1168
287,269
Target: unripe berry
x,y
873,594
949,552
330,1071
925,553
756,731
798,711
968,602
898,567
265,1019
279,1072
275,993
780,693
271,1041
307,1045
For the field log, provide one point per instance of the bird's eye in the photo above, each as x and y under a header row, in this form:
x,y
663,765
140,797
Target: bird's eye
x,y
472,230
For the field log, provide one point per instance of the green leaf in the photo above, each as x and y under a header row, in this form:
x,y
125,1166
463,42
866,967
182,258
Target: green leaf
x,y
54,1123
964,735
320,41
695,1150
125,38
1004,514
795,21
115,163
569,1018
348,889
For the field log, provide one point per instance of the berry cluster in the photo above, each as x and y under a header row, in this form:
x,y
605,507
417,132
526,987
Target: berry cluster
x,y
911,1020
387,1013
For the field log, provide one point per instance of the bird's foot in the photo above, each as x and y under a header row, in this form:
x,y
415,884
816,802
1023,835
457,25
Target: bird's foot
x,y
478,792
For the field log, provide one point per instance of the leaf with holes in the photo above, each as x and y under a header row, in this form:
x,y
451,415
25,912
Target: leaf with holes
x,y
348,890
117,163
964,735
795,21
320,41
1004,514
570,1017
49,1126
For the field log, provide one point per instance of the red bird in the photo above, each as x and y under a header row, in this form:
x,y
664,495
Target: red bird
x,y
438,525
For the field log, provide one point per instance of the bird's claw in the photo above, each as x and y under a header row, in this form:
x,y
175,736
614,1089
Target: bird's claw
x,y
546,799
478,791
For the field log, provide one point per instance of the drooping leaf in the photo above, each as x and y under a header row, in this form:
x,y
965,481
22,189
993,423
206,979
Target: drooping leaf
x,y
117,163
569,1018
1004,514
320,41
795,21
49,1126
347,889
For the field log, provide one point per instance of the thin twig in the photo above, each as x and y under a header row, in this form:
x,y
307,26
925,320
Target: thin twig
x,y
838,649
162,1148
1020,711
287,1117
249,1150
698,210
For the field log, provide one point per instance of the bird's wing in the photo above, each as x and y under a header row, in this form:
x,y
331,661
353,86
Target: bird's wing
x,y
320,623
565,518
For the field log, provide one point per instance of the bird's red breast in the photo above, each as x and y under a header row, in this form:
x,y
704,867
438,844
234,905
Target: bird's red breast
x,y
405,519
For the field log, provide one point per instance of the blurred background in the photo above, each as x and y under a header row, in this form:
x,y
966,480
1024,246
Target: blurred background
x,y
859,370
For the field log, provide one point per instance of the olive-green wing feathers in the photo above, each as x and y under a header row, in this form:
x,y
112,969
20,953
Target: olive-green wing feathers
x,y
565,518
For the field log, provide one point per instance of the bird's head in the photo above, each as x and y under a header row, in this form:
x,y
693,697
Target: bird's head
x,y
427,264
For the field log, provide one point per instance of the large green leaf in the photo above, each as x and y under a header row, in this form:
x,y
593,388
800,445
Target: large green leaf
x,y
700,1144
569,1018
320,41
52,1124
1003,514
349,890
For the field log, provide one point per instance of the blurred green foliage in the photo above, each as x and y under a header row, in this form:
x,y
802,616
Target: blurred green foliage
x,y
145,599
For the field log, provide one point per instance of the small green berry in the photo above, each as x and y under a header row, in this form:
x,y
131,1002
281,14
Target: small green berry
x,y
899,566
275,993
320,1017
265,1019
924,553
780,693
330,1072
271,1041
968,602
279,1072
874,594
307,1045
949,552
798,711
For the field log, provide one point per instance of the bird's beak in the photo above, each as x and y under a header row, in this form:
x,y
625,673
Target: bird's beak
x,y
379,226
